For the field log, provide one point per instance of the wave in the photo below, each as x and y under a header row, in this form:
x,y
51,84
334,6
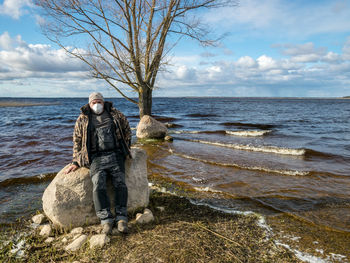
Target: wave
x,y
251,125
265,149
243,133
28,180
248,133
199,132
242,167
200,115
164,118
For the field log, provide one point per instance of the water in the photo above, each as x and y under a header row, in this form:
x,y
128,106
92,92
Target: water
x,y
279,157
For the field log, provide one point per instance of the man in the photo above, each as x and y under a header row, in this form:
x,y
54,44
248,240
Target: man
x,y
102,139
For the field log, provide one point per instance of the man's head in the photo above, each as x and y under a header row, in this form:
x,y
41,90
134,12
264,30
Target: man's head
x,y
96,102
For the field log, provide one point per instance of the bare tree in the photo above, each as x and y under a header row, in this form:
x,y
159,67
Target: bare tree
x,y
124,42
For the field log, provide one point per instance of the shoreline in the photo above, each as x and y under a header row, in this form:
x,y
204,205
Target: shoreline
x,y
183,232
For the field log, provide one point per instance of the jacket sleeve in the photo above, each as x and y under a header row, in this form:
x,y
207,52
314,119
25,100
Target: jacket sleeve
x,y
126,129
77,142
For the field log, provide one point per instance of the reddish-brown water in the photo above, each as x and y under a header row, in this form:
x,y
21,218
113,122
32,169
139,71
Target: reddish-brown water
x,y
286,159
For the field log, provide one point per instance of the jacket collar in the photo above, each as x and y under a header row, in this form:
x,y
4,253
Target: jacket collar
x,y
86,108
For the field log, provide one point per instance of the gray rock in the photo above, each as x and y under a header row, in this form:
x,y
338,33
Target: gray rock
x,y
77,243
161,208
145,218
39,219
46,231
49,240
68,203
99,240
168,138
77,230
150,128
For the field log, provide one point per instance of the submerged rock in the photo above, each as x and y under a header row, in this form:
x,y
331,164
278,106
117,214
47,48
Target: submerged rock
x,y
68,203
150,128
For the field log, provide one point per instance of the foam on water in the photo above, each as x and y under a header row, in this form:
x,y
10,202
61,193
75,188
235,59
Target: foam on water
x,y
265,149
306,257
248,133
252,168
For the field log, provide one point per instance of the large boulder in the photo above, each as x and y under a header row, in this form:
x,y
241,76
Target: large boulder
x,y
67,201
150,128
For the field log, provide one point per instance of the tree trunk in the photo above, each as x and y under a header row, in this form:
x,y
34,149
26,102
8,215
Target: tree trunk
x,y
145,102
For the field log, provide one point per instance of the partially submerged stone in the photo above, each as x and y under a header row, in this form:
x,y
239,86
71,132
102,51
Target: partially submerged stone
x,y
68,203
150,128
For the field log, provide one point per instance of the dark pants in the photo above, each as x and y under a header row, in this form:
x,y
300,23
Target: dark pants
x,y
102,166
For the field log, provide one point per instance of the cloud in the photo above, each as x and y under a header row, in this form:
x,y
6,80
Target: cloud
x,y
289,18
22,60
302,71
15,8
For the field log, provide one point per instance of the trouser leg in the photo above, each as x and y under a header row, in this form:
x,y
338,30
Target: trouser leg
x,y
100,197
120,190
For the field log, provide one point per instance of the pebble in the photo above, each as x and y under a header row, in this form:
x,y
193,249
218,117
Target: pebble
x,y
77,230
46,231
145,218
77,243
161,208
99,240
39,219
49,240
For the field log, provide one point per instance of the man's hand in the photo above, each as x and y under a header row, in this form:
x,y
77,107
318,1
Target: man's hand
x,y
71,168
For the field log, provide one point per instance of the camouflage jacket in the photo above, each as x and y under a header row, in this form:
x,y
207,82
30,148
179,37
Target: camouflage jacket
x,y
83,130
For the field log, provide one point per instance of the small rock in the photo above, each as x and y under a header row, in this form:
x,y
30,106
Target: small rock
x,y
161,208
77,230
39,219
99,240
168,138
34,225
64,240
49,240
46,231
145,218
76,244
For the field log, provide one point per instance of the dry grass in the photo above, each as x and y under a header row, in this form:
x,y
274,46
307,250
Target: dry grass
x,y
182,233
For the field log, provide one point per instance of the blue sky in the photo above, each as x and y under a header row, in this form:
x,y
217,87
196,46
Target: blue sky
x,y
272,48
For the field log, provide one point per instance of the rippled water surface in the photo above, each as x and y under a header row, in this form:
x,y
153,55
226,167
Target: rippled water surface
x,y
287,157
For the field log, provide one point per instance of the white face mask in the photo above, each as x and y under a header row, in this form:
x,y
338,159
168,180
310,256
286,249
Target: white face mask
x,y
97,108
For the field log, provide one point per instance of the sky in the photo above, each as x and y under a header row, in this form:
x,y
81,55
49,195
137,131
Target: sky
x,y
271,48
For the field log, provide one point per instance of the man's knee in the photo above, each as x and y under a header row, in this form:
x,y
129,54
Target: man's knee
x,y
99,181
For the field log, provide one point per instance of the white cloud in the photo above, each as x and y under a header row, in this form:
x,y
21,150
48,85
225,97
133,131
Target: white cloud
x,y
246,62
266,63
346,49
15,8
21,60
304,68
290,18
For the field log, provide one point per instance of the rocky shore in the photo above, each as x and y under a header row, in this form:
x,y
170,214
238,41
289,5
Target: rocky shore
x,y
178,231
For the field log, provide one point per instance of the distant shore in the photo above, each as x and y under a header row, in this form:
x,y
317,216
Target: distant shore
x,y
24,103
